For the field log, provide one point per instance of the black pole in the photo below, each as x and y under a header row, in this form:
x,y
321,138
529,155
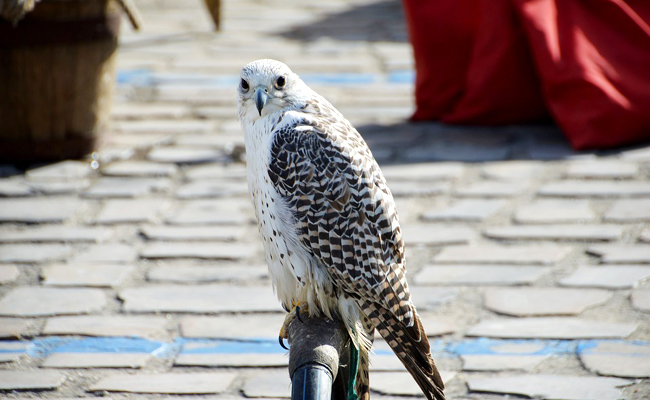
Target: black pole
x,y
316,346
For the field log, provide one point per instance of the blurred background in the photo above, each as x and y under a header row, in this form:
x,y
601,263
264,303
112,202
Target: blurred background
x,y
130,265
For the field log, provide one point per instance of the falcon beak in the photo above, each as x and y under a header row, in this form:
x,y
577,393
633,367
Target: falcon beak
x,y
261,98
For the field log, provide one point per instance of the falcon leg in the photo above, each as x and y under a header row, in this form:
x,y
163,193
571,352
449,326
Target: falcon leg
x,y
293,314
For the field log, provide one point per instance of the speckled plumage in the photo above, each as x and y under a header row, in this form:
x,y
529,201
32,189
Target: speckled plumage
x,y
327,218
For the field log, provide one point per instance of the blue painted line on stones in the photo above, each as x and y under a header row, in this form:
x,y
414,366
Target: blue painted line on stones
x,y
489,346
46,346
401,77
148,78
135,77
13,346
43,347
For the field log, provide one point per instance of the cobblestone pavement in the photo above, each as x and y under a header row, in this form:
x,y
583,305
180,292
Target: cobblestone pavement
x,y
139,273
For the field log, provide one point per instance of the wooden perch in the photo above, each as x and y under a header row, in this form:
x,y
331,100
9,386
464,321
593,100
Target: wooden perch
x,y
317,357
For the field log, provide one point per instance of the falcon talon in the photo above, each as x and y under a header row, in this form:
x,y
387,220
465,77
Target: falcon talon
x,y
298,314
281,340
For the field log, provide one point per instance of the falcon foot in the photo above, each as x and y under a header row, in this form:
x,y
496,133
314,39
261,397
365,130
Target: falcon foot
x,y
293,314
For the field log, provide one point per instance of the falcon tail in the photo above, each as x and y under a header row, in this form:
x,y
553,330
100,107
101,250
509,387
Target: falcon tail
x,y
411,346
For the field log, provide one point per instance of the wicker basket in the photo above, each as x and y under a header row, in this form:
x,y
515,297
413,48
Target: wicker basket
x,y
57,73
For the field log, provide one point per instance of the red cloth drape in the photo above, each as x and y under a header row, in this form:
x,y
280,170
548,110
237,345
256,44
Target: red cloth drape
x,y
586,63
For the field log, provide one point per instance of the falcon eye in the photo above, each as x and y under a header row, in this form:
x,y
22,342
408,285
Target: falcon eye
x,y
244,85
280,82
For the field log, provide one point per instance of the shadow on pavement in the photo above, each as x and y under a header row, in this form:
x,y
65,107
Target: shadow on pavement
x,y
382,21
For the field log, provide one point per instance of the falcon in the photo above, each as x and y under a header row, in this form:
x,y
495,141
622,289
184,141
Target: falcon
x,y
328,222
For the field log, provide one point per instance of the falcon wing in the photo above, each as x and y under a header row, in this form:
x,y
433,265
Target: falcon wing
x,y
343,210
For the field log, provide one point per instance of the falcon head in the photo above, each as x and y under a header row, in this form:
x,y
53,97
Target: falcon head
x,y
266,87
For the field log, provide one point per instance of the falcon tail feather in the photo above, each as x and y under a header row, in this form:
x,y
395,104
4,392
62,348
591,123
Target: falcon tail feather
x,y
411,347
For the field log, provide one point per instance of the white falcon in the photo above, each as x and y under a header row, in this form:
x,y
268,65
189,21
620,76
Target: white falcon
x,y
327,220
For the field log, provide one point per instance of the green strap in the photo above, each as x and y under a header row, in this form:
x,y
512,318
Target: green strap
x,y
354,368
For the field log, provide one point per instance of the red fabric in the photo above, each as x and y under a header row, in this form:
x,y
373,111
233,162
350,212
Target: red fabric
x,y
441,33
590,66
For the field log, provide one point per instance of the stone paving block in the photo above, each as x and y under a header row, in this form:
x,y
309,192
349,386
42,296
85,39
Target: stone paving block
x,y
621,254
621,359
139,111
512,171
434,235
163,126
8,274
211,188
271,383
215,171
256,360
13,187
434,325
385,362
551,328
551,387
543,301
139,169
423,172
9,357
462,146
30,380
39,210
128,143
203,250
64,170
58,187
199,299
639,154
211,273
401,383
555,232
120,211
604,189
168,383
106,253
33,301
616,277
628,210
12,327
478,275
466,211
33,253
235,327
430,298
106,325
438,326
221,141
186,155
500,362
640,299
210,213
96,360
86,275
56,233
418,189
554,212
602,169
539,145
645,236
126,187
491,189
193,233
545,254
